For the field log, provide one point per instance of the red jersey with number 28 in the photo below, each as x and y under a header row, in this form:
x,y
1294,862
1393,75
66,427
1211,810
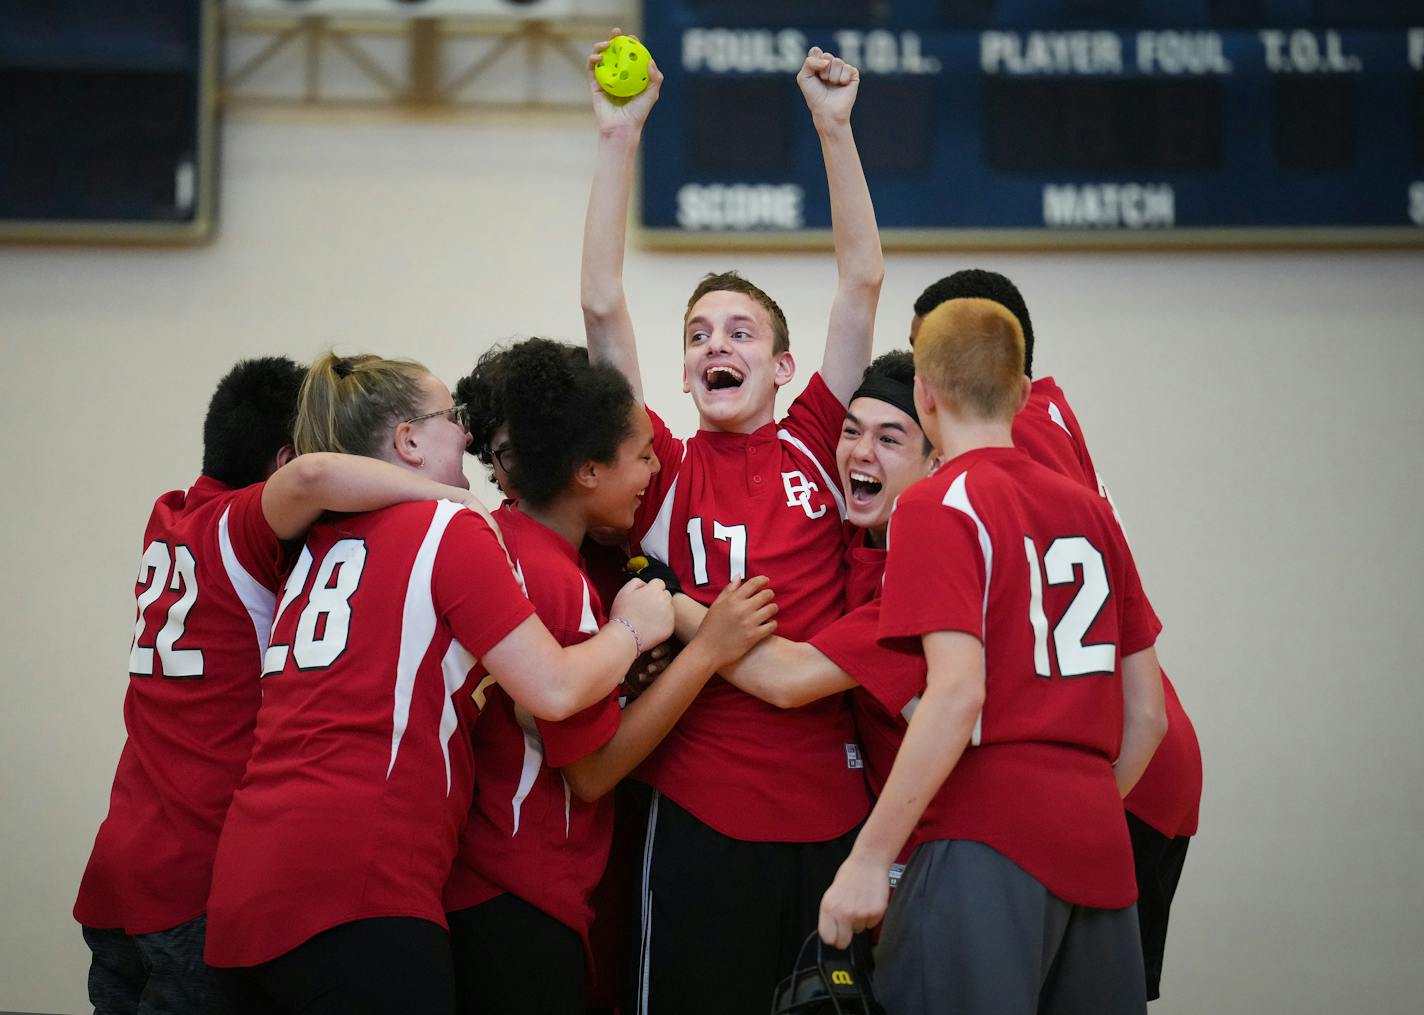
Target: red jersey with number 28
x,y
1168,796
360,777
1035,567
527,833
729,505
206,590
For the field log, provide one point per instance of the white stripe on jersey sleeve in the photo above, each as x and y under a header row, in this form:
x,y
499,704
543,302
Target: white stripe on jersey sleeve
x,y
832,485
1056,414
533,761
456,666
259,602
417,623
958,498
655,540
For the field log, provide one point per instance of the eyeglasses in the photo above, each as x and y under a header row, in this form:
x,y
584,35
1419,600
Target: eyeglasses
x,y
456,415
500,455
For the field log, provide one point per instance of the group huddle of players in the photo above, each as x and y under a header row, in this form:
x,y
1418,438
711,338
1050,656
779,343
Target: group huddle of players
x,y
375,733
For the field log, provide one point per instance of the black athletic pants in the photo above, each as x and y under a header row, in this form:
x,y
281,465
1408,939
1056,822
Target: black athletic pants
x,y
722,920
512,958
1159,861
381,966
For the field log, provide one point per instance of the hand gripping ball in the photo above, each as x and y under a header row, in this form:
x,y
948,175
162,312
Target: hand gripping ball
x,y
623,71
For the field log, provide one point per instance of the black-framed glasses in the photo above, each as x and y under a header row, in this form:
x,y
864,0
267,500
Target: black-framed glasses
x,y
500,455
456,414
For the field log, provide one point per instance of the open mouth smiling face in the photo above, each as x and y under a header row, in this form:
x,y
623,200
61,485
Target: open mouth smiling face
x,y
881,453
729,366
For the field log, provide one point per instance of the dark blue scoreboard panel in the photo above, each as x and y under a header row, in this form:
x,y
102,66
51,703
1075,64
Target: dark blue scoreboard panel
x,y
1046,122
107,119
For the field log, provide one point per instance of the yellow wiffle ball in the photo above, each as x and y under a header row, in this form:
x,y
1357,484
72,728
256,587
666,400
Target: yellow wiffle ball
x,y
623,71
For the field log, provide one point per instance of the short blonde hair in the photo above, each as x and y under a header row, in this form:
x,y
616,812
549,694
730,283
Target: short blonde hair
x,y
347,403
971,353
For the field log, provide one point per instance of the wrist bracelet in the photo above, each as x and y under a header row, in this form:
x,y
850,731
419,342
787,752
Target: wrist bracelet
x,y
637,641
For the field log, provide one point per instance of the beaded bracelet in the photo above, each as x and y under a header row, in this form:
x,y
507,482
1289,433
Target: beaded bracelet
x,y
637,641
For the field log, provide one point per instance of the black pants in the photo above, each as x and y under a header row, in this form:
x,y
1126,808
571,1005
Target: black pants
x,y
512,958
1159,863
382,966
722,920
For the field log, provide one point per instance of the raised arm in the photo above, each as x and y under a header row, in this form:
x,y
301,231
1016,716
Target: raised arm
x,y
607,323
1144,717
939,731
741,617
829,85
305,488
783,673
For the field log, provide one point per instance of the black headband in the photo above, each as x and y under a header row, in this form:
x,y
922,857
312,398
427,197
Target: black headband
x,y
886,389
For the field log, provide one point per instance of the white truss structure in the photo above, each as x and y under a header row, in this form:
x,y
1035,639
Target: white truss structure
x,y
419,56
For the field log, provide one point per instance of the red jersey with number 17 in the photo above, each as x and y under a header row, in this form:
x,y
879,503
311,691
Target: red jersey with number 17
x,y
360,777
206,590
527,833
730,505
1035,567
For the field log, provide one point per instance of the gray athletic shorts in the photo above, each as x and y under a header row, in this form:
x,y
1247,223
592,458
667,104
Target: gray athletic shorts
x,y
969,932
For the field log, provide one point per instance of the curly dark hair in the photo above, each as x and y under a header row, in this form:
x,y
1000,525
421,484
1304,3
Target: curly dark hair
x,y
250,419
561,411
475,391
977,283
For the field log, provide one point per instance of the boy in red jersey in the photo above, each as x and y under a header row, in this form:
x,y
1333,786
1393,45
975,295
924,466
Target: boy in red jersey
x,y
206,593
882,452
735,860
1162,808
1042,706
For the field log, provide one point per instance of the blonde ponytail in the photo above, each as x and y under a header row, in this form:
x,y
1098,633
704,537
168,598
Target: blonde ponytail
x,y
348,403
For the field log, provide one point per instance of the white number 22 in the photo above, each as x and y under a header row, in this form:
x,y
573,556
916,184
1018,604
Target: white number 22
x,y
153,572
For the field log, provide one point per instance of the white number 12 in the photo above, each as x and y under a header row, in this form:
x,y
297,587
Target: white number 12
x,y
1074,658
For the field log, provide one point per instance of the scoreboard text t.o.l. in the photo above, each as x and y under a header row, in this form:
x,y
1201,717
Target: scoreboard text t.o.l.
x,y
1046,122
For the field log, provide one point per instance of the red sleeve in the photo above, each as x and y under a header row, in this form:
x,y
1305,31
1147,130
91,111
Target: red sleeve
x,y
816,418
258,550
892,673
474,588
1137,622
669,451
578,736
934,573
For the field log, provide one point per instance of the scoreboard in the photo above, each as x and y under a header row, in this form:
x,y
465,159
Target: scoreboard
x,y
1046,122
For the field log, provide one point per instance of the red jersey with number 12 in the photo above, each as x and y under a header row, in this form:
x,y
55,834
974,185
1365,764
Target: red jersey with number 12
x,y
1035,567
1168,796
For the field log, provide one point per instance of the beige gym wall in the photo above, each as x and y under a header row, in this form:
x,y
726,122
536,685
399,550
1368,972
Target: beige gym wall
x,y
1257,415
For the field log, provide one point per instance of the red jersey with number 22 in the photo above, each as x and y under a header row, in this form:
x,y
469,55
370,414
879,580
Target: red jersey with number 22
x,y
730,505
528,834
1035,567
360,777
206,590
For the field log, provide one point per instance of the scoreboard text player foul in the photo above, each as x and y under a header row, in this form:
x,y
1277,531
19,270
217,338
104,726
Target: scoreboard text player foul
x,y
1047,122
